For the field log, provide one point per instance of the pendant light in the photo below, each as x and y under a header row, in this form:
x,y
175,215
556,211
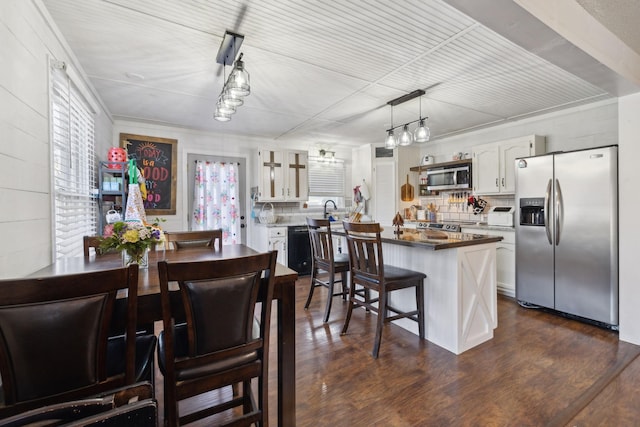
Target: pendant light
x,y
391,142
238,84
224,108
221,117
422,132
405,137
229,99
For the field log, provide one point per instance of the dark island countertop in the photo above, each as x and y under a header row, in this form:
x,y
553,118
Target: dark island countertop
x,y
428,239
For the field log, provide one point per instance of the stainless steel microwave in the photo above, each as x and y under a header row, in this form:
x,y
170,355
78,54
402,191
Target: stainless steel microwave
x,y
452,177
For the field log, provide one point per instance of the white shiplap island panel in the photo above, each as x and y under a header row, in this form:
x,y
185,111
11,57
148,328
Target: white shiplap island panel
x,y
460,289
460,292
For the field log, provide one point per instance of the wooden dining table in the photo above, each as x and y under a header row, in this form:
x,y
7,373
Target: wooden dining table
x,y
149,308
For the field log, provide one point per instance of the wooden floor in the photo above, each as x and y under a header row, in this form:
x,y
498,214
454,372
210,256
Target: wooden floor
x,y
539,370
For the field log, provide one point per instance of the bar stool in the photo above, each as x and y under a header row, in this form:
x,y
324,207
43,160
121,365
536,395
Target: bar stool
x,y
369,272
323,258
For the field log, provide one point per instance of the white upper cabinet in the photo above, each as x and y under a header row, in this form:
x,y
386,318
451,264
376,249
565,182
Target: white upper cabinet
x,y
282,175
297,183
494,163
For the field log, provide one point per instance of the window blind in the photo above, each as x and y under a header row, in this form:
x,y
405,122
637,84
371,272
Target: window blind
x,y
326,178
73,171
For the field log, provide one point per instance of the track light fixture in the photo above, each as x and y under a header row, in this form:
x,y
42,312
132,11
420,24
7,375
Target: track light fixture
x,y
421,134
237,86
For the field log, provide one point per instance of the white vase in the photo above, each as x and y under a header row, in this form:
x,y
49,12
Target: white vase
x,y
127,260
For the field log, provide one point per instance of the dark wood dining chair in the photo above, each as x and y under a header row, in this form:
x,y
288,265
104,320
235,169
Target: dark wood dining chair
x,y
369,273
324,259
54,337
216,342
185,239
92,242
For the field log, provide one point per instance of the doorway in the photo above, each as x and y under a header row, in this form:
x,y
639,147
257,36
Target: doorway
x,y
242,186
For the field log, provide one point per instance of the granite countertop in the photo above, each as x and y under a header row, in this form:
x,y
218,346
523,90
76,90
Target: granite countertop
x,y
433,240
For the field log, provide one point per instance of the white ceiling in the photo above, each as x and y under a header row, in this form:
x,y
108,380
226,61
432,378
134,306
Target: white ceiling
x,y
322,72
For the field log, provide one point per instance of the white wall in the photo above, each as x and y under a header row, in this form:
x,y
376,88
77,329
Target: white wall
x,y
629,237
191,141
188,142
588,126
25,184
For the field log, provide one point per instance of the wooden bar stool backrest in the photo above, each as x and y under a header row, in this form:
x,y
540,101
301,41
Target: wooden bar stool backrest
x,y
54,334
364,246
369,273
321,241
324,258
186,239
217,343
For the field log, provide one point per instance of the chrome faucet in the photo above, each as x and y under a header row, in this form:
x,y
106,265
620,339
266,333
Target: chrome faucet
x,y
325,207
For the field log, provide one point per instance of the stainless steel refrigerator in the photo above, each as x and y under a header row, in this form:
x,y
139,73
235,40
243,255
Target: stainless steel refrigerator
x,y
567,233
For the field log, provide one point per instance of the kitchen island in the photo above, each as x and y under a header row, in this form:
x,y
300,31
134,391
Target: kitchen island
x,y
460,288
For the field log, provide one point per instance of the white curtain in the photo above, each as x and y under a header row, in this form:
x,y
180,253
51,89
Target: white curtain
x,y
215,202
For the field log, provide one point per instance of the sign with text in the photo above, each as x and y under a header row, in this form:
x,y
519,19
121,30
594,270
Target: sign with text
x,y
157,159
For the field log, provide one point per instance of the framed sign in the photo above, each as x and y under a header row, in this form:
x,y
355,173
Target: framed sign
x,y
157,158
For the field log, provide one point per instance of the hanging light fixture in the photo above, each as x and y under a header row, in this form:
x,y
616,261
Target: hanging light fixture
x,y
390,141
405,137
238,84
236,87
421,134
224,108
221,117
229,99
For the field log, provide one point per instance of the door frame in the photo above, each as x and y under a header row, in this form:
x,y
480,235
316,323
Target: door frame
x,y
243,192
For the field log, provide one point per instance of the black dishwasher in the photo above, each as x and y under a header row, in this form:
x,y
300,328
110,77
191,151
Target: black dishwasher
x,y
299,250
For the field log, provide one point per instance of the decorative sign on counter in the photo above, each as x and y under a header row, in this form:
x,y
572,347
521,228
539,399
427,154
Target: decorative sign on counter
x,y
157,158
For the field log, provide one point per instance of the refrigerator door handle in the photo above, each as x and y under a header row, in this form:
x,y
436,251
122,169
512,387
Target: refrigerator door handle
x,y
547,197
559,212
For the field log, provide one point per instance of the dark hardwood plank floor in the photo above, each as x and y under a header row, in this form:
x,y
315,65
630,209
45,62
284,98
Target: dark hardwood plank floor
x,y
540,369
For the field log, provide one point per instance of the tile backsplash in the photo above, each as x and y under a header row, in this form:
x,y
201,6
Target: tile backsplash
x,y
452,206
295,212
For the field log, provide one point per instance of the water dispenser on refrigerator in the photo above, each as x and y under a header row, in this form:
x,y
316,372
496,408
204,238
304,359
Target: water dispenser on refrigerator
x,y
532,211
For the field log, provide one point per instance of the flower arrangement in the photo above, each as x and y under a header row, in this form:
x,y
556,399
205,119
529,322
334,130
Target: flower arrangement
x,y
134,238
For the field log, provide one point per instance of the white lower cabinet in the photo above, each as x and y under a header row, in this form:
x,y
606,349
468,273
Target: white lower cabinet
x,y
505,258
272,239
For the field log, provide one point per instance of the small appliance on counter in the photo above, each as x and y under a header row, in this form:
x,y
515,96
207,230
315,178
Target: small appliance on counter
x,y
501,215
427,160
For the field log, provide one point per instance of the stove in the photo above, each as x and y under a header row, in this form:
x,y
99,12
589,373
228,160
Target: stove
x,y
454,228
